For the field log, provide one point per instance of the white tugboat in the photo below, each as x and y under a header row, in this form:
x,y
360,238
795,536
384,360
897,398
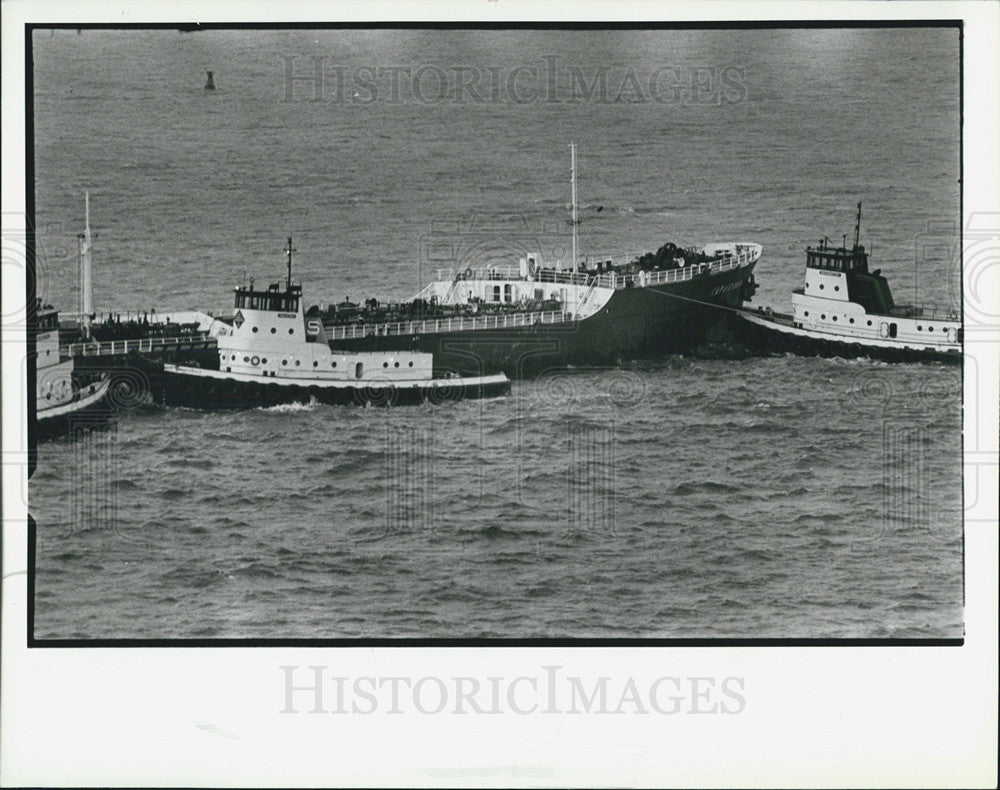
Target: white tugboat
x,y
846,310
275,351
63,394
59,395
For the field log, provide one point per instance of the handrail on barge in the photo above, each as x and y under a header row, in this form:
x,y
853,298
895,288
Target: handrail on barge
x,y
453,324
113,347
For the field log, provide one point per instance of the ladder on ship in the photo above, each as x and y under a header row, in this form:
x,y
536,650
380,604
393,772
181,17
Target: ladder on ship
x,y
586,297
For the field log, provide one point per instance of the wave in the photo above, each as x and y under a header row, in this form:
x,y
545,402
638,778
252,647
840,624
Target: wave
x,y
198,578
707,486
289,408
257,570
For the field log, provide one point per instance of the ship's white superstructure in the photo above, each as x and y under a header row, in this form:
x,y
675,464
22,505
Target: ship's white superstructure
x,y
581,292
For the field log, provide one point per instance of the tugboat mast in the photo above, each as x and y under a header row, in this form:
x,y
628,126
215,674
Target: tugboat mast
x,y
289,250
857,227
572,170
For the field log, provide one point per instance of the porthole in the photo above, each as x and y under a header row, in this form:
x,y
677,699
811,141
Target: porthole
x,y
821,286
806,313
919,328
284,362
254,330
385,364
296,363
836,287
851,320
264,361
397,364
246,359
930,329
834,318
291,330
234,357
334,364
869,323
411,364
315,363
273,330
823,316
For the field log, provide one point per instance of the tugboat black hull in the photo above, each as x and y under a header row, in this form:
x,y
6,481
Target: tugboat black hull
x,y
635,323
197,388
759,338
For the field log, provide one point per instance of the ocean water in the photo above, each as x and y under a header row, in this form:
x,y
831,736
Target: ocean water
x,y
693,497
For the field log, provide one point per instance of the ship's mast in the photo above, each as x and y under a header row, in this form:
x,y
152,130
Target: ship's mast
x,y
572,170
857,227
86,271
289,250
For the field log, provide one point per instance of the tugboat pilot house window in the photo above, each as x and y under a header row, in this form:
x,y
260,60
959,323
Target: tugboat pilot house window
x,y
282,302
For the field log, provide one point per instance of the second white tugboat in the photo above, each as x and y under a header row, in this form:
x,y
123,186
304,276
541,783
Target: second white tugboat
x,y
63,397
846,310
275,352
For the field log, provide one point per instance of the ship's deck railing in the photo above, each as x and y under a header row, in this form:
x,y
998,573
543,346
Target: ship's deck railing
x,y
112,347
685,273
928,312
611,280
453,324
151,316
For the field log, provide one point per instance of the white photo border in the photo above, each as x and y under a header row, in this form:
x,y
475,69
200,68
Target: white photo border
x,y
811,716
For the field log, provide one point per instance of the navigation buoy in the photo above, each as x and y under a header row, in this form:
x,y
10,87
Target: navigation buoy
x,y
210,85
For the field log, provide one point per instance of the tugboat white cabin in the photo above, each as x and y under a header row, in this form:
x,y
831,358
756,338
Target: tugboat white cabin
x,y
271,336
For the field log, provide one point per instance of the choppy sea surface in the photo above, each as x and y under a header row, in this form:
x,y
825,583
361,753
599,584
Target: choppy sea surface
x,y
698,496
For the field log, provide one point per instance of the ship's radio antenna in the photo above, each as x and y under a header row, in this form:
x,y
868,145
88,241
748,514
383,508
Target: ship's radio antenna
x,y
572,170
289,250
857,227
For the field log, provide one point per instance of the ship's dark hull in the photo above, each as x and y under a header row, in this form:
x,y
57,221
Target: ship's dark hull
x,y
765,340
635,323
